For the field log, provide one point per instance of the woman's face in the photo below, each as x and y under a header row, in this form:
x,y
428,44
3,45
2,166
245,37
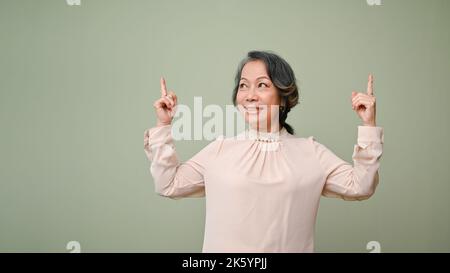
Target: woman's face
x,y
257,97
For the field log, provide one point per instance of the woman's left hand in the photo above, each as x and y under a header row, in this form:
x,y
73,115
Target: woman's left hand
x,y
364,104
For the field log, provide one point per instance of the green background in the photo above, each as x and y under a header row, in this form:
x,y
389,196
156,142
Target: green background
x,y
78,84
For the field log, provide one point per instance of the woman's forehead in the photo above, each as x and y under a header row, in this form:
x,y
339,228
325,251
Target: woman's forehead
x,y
254,70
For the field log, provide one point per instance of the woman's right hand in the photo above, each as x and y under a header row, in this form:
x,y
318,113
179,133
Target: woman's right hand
x,y
165,106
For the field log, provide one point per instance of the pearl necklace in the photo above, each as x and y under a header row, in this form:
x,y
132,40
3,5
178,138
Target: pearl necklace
x,y
264,136
267,140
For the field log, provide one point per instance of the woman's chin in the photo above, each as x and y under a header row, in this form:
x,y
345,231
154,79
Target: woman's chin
x,y
254,120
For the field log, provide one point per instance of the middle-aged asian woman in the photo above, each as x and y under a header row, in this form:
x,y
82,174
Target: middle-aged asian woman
x,y
263,187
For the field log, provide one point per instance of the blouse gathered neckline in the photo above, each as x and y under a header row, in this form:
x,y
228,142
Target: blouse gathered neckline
x,y
263,136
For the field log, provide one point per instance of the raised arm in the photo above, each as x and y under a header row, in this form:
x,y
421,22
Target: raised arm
x,y
171,177
357,181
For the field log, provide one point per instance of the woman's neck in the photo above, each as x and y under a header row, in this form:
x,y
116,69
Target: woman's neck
x,y
272,129
269,129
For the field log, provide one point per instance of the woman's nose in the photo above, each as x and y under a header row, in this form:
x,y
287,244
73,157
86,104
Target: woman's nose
x,y
251,95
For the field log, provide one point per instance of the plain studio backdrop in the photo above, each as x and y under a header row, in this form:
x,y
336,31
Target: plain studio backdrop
x,y
78,84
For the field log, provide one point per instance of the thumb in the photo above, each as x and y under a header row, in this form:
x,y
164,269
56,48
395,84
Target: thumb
x,y
353,94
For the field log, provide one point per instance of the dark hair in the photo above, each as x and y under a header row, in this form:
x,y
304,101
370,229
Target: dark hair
x,y
282,76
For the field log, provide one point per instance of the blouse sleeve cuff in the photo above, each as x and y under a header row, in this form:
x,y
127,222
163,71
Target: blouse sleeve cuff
x,y
370,134
157,136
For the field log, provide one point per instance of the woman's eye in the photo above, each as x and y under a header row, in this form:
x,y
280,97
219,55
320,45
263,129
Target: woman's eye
x,y
264,84
242,85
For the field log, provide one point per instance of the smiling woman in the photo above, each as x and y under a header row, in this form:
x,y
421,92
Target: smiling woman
x,y
255,88
263,187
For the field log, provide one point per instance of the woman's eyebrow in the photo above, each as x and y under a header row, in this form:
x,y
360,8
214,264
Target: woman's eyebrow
x,y
262,77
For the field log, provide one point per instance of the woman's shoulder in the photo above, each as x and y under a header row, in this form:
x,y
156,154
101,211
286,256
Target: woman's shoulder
x,y
301,139
302,144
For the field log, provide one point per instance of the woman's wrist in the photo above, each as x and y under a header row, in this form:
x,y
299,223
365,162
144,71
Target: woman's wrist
x,y
371,124
161,124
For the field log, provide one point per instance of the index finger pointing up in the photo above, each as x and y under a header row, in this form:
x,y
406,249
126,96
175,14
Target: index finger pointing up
x,y
370,85
163,87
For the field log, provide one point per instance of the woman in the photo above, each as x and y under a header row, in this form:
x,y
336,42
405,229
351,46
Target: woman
x,y
263,189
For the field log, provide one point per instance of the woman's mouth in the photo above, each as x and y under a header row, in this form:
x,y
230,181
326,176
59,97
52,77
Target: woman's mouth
x,y
251,109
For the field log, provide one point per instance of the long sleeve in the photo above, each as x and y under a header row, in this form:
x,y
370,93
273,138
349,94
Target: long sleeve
x,y
357,182
172,178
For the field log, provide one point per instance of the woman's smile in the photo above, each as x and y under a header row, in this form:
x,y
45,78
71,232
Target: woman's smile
x,y
252,109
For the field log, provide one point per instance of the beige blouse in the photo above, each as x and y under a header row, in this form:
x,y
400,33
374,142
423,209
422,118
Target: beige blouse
x,y
263,189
